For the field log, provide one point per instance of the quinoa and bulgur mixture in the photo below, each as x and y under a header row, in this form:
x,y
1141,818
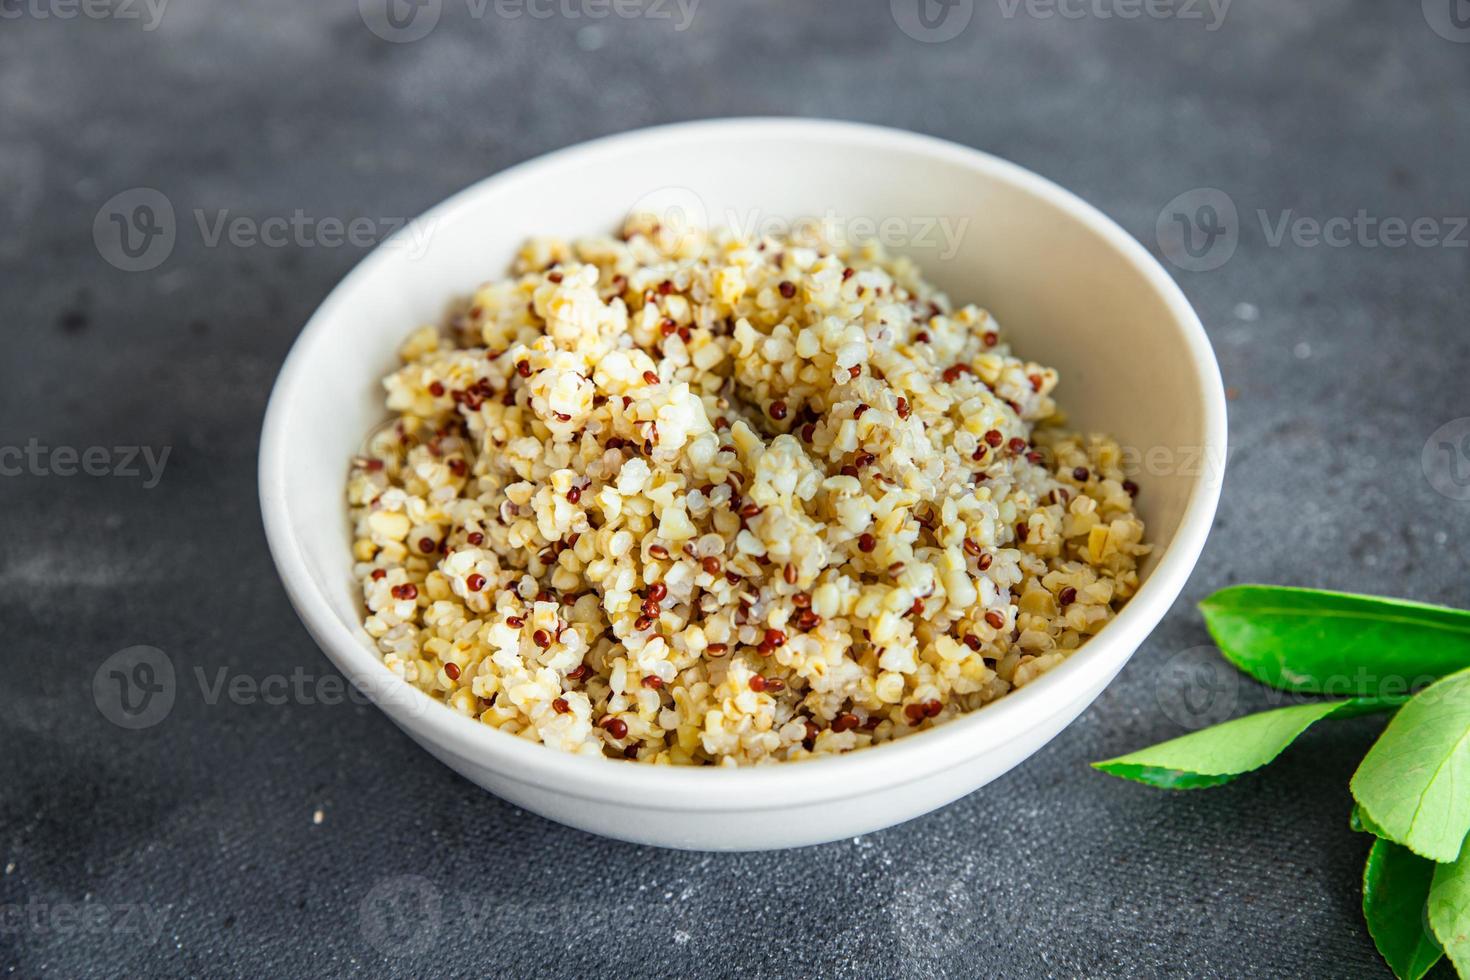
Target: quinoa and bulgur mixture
x,y
689,499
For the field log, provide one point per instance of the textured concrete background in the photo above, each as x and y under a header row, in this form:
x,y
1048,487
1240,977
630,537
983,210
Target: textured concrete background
x,y
271,840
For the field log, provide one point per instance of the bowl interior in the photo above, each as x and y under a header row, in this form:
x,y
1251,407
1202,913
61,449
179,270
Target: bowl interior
x,y
1069,289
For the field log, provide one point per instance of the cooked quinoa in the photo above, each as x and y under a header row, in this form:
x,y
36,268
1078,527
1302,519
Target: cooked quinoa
x,y
691,499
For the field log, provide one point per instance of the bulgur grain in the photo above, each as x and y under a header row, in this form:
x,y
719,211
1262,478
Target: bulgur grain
x,y
610,528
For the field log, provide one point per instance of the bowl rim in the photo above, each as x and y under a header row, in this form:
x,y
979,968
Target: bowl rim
x,y
778,785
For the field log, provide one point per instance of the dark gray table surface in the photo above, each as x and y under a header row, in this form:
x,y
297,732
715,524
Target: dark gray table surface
x,y
252,839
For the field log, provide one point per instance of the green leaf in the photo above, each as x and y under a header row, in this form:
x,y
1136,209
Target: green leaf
x,y
1449,910
1359,822
1336,644
1219,754
1395,890
1415,781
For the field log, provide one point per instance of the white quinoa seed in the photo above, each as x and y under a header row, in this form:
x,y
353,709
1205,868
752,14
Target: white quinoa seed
x,y
696,500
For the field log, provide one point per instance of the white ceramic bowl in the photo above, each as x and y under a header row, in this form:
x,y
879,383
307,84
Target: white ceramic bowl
x,y
1070,287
